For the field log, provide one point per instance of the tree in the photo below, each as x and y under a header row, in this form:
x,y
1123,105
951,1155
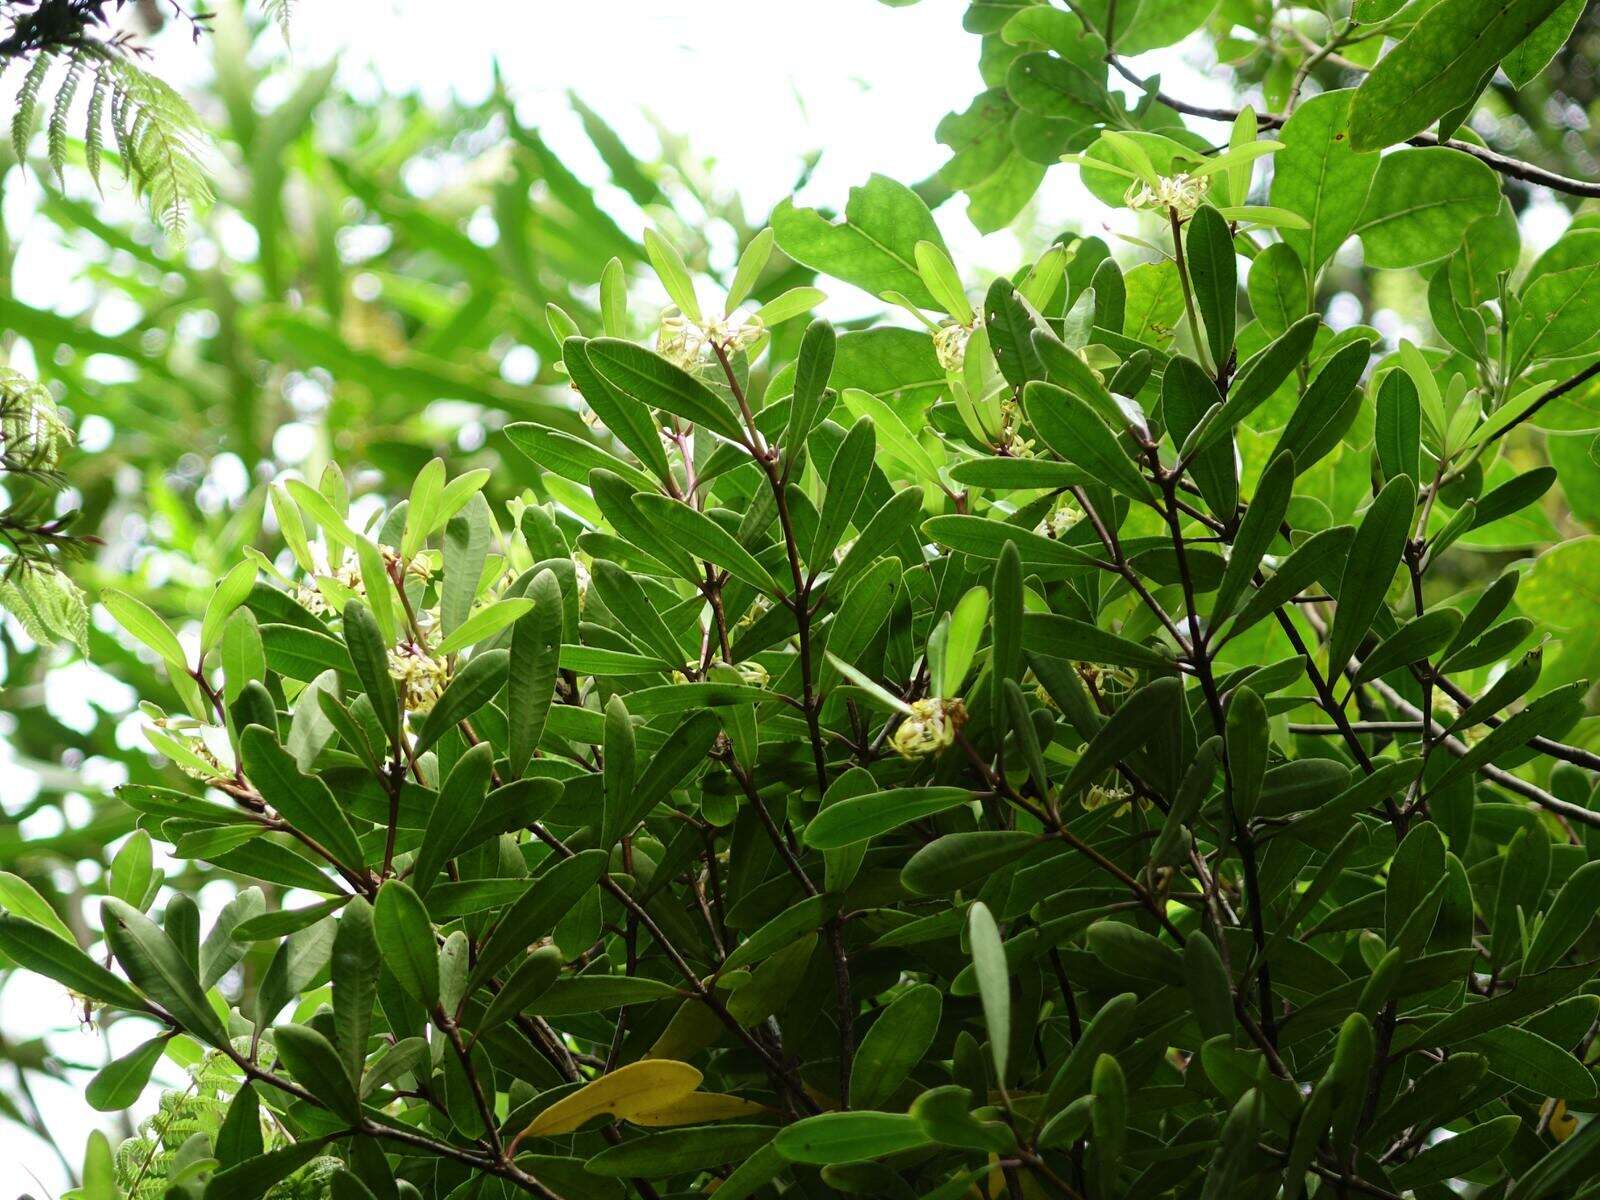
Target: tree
x,y
1125,737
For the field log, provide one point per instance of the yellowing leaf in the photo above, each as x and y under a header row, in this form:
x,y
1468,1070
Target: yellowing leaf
x,y
698,1107
636,1088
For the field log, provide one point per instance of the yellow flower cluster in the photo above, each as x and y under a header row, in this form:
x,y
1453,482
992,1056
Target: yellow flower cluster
x,y
930,727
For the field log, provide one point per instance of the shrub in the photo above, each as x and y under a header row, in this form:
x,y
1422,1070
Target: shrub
x,y
1042,755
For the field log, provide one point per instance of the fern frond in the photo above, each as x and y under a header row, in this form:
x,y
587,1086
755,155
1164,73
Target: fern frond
x,y
162,143
28,104
60,111
94,127
280,11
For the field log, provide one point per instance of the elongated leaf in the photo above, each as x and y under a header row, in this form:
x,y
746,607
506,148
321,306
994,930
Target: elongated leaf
x,y
406,939
302,799
635,1087
1129,727
531,670
472,687
864,817
1369,570
994,982
705,539
1073,430
454,813
119,1083
1257,532
652,380
1213,272
157,968
1439,65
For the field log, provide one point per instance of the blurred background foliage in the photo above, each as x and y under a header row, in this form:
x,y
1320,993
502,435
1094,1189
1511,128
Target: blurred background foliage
x,y
369,287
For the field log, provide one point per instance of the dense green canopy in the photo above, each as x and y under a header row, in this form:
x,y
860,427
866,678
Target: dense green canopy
x,y
1120,727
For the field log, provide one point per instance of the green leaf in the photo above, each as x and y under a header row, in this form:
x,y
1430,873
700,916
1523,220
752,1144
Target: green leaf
x,y
531,669
1133,951
595,993
867,816
250,1179
354,974
1010,323
1109,1114
1319,176
469,690
677,1151
225,598
752,262
1555,710
484,624
793,922
674,276
1259,377
20,898
652,380
1208,984
939,276
1398,436
406,940
1566,920
421,506
812,369
303,654
527,983
371,658
1067,637
119,1084
618,778
303,800
847,1137
1438,66
986,538
535,914
873,247
994,982
1417,639
626,415
1421,200
315,1065
1214,274
139,619
1188,396
1248,740
1277,286
1458,1154
454,812
621,593
1128,728
955,860
1369,569
897,441
1535,52
705,539
240,1136
851,464
1074,431
158,969
892,1048
1555,317
1317,558
1522,1057
1257,532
